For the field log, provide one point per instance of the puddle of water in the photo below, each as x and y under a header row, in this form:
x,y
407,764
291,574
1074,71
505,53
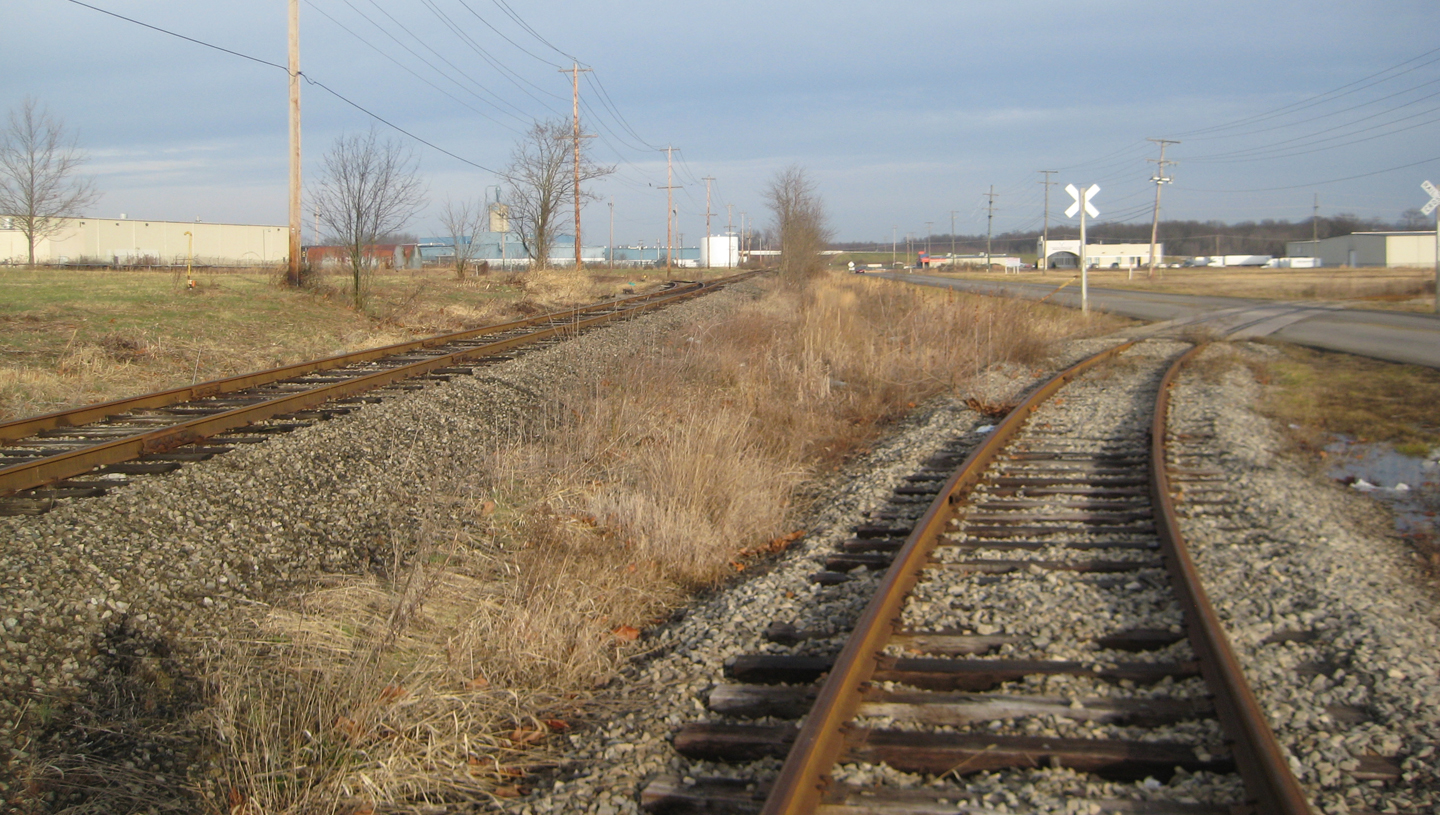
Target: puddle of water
x,y
1410,486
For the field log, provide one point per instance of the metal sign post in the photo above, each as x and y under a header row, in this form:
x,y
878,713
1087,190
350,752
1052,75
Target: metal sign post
x,y
1083,206
1434,206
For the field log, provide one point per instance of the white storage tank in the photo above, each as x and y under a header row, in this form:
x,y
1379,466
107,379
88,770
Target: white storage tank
x,y
720,251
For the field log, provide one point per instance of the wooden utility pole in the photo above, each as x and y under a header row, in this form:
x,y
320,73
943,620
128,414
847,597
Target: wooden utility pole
x,y
1159,179
669,208
707,179
296,212
575,71
989,223
1042,262
1315,232
612,232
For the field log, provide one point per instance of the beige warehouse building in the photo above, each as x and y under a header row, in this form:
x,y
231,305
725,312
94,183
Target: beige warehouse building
x,y
1388,249
125,242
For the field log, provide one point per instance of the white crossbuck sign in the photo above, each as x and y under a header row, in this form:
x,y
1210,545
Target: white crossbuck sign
x,y
1089,196
1434,197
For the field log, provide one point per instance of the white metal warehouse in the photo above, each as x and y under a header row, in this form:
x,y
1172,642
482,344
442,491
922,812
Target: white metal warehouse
x,y
1369,249
125,242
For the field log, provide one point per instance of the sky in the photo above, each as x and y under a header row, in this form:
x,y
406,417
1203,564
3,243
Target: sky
x,y
903,114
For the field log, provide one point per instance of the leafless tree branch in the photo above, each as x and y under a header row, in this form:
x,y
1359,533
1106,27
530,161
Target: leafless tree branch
x,y
800,221
540,182
369,188
37,164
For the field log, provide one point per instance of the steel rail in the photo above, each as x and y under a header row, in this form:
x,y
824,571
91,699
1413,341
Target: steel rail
x,y
77,417
1258,756
801,784
76,462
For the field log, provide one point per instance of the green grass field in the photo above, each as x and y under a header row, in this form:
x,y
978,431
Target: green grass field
x,y
71,337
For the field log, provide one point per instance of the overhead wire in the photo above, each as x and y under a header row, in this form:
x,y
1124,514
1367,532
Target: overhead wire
x,y
286,69
412,72
1334,93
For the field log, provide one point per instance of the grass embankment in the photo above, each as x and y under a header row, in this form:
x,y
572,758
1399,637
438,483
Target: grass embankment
x,y
1407,289
443,680
1320,395
69,338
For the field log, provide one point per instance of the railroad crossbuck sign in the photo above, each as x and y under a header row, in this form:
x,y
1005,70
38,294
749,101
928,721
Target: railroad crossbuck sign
x,y
1434,197
1089,196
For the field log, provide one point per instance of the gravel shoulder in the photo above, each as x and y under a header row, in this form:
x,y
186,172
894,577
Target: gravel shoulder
x,y
1326,607
107,605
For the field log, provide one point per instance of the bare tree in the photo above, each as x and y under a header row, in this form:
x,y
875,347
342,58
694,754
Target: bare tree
x,y
369,188
799,221
464,221
541,184
37,164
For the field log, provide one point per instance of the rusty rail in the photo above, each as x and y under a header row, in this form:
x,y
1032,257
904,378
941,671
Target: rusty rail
x,y
800,787
76,417
801,784
1258,756
52,468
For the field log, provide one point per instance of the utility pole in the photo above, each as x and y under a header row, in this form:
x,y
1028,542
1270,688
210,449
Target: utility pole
x,y
989,222
296,212
743,249
1042,263
893,231
669,208
575,72
707,179
612,232
1315,233
1159,179
952,239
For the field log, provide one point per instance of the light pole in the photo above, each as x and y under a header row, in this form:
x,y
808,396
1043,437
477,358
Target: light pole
x,y
189,259
952,240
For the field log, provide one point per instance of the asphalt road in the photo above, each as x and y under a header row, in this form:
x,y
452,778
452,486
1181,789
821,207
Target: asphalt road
x,y
1390,335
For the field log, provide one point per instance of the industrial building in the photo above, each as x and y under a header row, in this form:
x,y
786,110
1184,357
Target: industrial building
x,y
124,242
1066,254
1388,249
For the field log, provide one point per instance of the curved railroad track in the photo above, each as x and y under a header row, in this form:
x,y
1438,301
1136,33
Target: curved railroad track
x,y
90,450
1038,609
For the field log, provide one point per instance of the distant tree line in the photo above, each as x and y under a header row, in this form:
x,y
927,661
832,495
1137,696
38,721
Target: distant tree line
x,y
1267,237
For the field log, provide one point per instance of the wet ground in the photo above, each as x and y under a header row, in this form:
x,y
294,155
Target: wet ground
x,y
1410,486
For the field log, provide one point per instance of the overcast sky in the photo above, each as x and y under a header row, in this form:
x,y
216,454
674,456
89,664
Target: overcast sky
x,y
902,112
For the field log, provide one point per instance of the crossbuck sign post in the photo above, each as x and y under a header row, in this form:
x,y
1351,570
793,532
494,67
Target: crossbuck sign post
x,y
1433,206
1083,206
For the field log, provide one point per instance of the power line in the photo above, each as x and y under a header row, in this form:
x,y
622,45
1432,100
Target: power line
x,y
412,72
377,117
1319,98
1332,180
181,36
505,37
322,86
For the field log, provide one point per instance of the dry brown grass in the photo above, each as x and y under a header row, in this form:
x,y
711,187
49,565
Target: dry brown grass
x,y
639,480
69,338
1401,289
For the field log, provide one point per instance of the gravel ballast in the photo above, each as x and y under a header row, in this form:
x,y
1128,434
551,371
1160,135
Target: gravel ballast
x,y
109,598
1325,607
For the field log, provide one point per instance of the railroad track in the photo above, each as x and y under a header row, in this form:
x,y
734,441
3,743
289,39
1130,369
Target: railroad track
x,y
1038,610
91,450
